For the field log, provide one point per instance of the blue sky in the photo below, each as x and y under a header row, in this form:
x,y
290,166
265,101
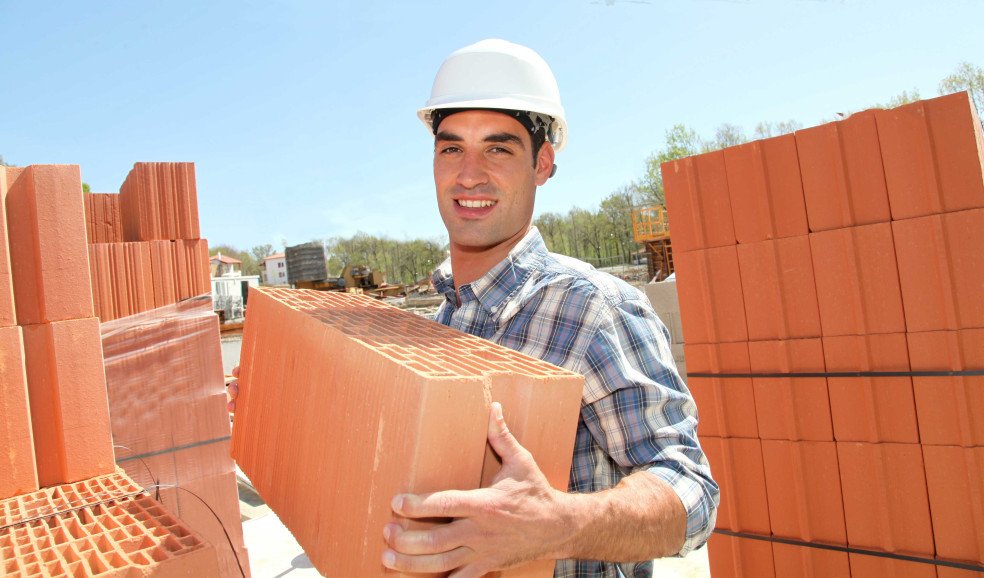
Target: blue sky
x,y
300,116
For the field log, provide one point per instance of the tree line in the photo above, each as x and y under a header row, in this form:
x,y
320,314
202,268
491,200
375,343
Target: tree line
x,y
601,236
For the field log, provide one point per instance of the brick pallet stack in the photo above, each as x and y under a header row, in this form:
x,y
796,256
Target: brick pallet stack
x,y
162,349
347,402
55,426
857,247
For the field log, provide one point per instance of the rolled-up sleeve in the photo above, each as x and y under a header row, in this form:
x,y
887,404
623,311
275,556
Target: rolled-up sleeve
x,y
641,414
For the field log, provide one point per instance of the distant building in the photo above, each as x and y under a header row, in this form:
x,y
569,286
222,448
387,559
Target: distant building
x,y
274,269
223,266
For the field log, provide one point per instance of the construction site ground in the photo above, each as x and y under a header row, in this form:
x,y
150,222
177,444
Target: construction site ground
x,y
273,551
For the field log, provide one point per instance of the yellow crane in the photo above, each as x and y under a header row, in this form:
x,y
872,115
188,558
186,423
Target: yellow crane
x,y
651,229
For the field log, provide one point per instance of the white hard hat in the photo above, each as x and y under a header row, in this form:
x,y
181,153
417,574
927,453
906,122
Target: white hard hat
x,y
496,74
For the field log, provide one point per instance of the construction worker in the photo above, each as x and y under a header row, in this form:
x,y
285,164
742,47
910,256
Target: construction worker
x,y
640,486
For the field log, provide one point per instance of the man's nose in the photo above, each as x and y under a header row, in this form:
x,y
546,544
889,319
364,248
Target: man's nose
x,y
472,171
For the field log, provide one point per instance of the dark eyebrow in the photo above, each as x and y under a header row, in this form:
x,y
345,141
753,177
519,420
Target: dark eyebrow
x,y
499,137
445,135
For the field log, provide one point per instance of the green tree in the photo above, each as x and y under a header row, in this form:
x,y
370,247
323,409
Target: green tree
x,y
769,129
967,77
681,141
86,188
261,252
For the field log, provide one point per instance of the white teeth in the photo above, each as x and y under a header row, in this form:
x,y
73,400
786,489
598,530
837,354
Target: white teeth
x,y
475,204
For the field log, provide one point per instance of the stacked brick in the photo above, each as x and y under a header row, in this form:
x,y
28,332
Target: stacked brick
x,y
56,337
145,249
105,526
850,247
347,402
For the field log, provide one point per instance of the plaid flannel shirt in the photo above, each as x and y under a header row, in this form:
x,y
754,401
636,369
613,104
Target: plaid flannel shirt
x,y
636,412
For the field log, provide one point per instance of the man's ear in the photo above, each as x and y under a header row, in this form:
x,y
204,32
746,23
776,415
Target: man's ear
x,y
544,164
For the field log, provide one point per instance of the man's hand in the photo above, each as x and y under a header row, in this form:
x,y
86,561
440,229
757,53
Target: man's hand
x,y
233,390
518,519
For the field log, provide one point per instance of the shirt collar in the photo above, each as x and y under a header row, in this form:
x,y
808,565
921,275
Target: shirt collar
x,y
502,281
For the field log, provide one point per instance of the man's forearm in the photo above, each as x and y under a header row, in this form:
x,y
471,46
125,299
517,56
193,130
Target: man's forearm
x,y
639,519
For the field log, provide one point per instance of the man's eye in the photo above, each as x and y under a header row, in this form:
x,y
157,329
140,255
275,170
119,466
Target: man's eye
x,y
449,149
500,150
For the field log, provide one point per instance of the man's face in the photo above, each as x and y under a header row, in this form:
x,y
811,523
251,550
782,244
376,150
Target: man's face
x,y
486,179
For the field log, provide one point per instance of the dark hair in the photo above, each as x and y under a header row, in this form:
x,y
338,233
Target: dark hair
x,y
536,124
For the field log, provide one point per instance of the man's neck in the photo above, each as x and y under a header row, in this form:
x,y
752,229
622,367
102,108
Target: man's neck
x,y
469,263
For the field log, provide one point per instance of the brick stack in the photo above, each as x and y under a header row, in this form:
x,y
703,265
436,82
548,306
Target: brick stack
x,y
53,307
145,247
162,350
852,246
106,526
347,402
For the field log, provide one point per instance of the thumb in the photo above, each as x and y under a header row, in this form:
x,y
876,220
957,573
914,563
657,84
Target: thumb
x,y
506,445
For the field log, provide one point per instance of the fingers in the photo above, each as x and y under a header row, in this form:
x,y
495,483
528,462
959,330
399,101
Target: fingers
x,y
430,563
233,390
442,538
500,438
235,371
448,504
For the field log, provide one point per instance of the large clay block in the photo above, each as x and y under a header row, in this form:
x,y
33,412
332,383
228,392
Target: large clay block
x,y
804,491
732,557
697,200
875,566
711,304
949,407
67,392
941,267
332,378
167,404
779,291
857,281
739,471
159,201
886,506
102,213
726,404
955,479
48,256
18,474
871,409
139,277
766,189
790,408
810,562
192,277
162,269
843,178
105,526
933,153
8,317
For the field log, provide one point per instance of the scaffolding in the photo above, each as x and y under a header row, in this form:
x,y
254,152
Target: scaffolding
x,y
651,229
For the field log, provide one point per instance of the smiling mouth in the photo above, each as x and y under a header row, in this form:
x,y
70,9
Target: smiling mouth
x,y
474,204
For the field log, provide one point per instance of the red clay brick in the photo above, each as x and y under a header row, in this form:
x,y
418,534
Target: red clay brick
x,y
731,557
67,392
18,474
159,201
857,281
809,562
790,408
766,189
726,405
739,471
885,500
871,409
411,397
804,491
105,526
698,202
874,566
167,405
162,268
955,478
8,317
778,288
48,256
843,178
933,154
949,407
711,305
941,268
102,211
